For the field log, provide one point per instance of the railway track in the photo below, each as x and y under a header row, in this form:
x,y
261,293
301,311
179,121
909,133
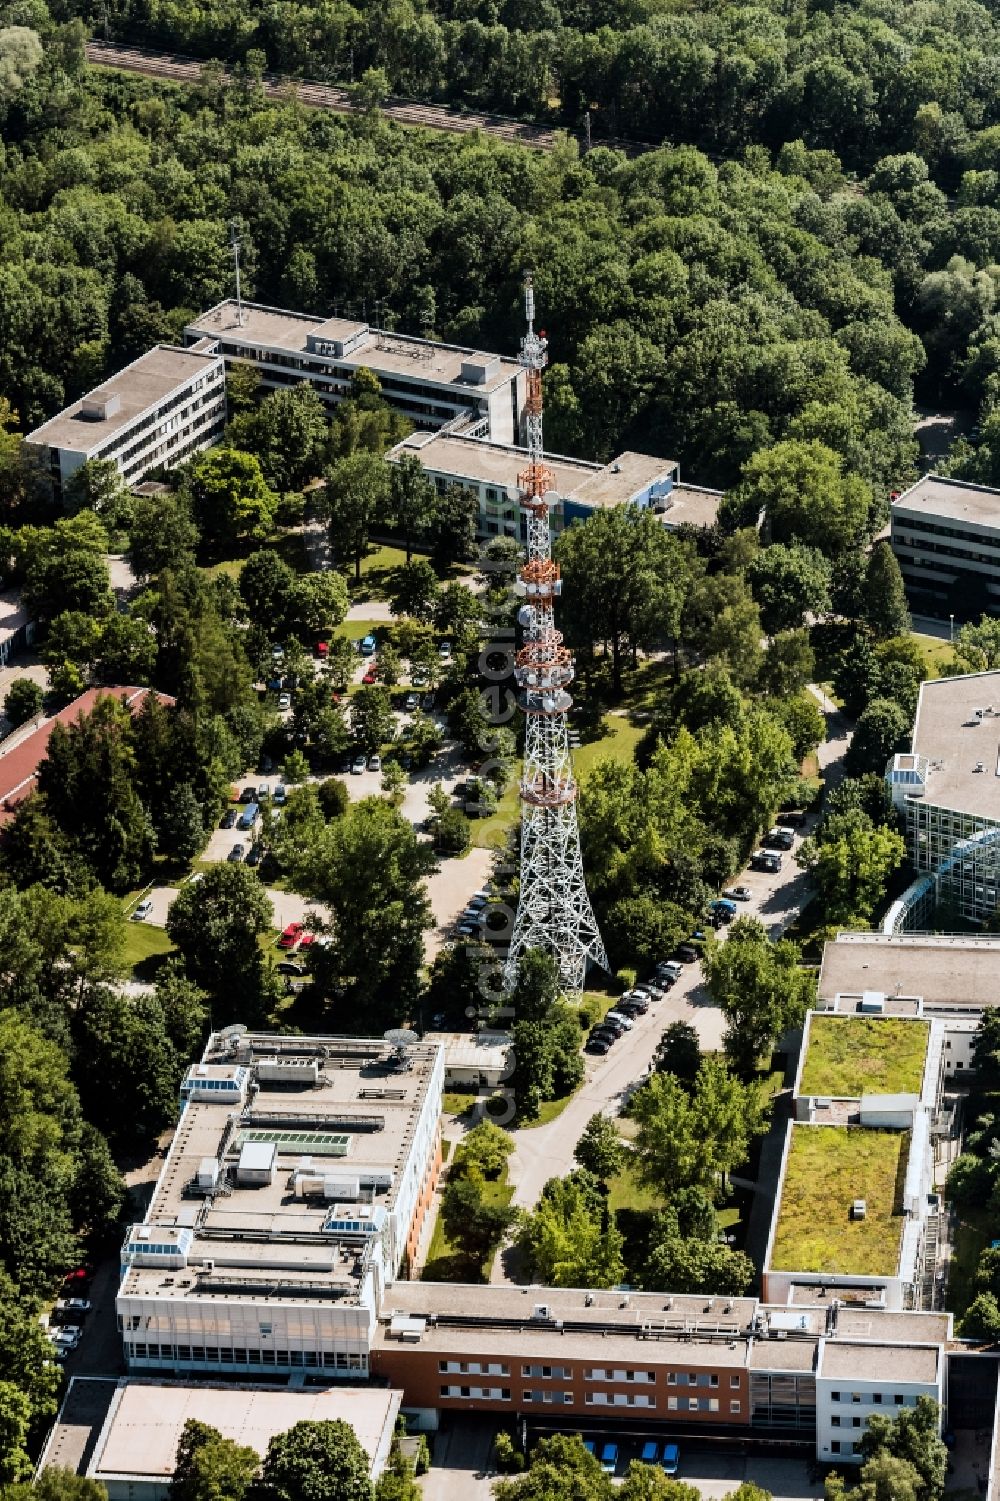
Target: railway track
x,y
175,68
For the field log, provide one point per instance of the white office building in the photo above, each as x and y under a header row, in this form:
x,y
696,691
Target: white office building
x,y
948,788
855,1379
430,383
491,469
946,536
156,412
295,1187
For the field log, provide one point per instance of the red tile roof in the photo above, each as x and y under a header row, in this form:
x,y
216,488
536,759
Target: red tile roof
x,y
19,766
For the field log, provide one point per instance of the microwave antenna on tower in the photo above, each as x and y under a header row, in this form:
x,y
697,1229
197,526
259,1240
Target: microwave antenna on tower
x,y
554,911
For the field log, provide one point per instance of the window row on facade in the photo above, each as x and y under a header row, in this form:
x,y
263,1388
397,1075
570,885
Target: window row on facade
x,y
339,1360
619,1374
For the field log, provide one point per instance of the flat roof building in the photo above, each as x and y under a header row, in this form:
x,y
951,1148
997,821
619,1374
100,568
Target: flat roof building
x,y
473,1060
491,470
947,787
672,1363
136,1452
957,973
294,1190
945,534
157,411
430,383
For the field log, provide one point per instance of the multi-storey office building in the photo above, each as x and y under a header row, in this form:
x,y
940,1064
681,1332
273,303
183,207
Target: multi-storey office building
x,y
947,787
946,535
651,1362
156,412
490,469
294,1190
432,384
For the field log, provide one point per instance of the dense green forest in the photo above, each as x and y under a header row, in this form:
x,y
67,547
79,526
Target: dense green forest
x,y
704,310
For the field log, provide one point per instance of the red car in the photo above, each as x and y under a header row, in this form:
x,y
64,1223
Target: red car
x,y
290,935
306,940
322,648
371,676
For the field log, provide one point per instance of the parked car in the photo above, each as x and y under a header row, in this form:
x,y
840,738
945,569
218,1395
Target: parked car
x,y
289,967
599,1046
650,1454
687,953
723,908
256,854
421,677
609,1458
248,795
322,650
671,1459
290,935
229,819
778,839
371,676
428,702
444,651
793,818
284,702
249,816
768,860
738,893
280,795
620,1016
142,910
71,1310
616,1024
358,765
590,1446
374,763
411,702
65,1339
367,646
235,854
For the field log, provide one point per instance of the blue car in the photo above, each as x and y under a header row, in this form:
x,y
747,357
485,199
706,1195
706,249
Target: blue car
x,y
609,1458
671,1459
650,1453
368,645
590,1446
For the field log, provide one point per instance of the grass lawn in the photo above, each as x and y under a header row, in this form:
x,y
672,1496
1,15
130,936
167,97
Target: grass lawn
x,y
354,630
850,1056
145,949
936,653
445,1263
828,1168
971,1238
627,1191
491,833
548,1110
617,741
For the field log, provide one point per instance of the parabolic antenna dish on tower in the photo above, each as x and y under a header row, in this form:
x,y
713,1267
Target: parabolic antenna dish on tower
x,y
513,493
551,497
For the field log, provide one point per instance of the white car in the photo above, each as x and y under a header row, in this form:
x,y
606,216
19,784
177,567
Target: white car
x,y
65,1339
73,1307
621,1019
374,763
284,701
143,910
444,651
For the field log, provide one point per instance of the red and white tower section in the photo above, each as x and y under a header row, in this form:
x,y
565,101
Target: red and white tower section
x,y
554,911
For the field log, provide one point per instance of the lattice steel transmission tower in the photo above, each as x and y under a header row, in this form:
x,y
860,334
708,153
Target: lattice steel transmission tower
x,y
554,911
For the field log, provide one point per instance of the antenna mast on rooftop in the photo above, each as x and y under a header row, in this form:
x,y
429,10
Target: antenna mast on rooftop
x,y
234,245
554,911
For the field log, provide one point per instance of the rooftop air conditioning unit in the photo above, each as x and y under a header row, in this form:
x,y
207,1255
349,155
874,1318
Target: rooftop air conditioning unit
x,y
859,1209
540,1311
